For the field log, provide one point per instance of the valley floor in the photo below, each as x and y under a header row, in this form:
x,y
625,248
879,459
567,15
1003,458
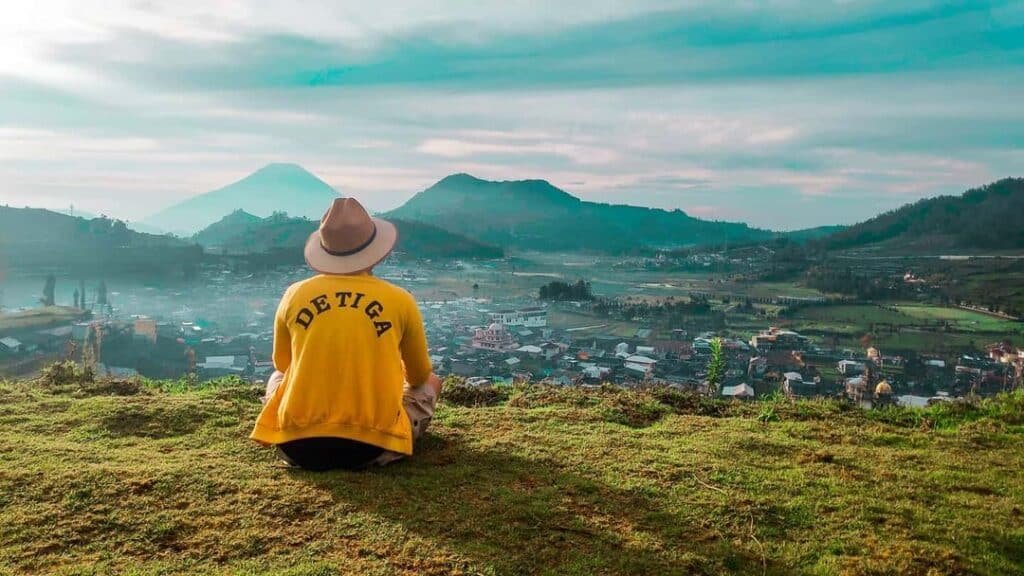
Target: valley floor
x,y
102,478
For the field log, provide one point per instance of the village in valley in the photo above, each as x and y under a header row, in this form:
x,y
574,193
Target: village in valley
x,y
565,321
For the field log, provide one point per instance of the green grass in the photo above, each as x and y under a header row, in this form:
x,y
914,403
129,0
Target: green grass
x,y
964,320
852,314
771,289
122,478
570,320
919,327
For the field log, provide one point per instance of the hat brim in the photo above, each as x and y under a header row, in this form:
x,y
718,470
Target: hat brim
x,y
322,261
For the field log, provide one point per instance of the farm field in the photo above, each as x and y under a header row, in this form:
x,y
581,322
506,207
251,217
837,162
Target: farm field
x,y
904,326
574,321
774,289
964,320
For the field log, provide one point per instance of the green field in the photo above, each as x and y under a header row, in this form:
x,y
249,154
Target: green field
x,y
773,289
963,320
570,320
907,326
117,478
850,320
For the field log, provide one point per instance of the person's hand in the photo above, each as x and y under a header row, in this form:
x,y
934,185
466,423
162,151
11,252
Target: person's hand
x,y
272,384
435,382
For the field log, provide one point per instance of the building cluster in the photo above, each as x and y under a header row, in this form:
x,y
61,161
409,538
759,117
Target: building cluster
x,y
227,329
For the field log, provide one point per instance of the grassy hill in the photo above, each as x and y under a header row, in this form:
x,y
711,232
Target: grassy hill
x,y
983,218
241,233
158,478
535,215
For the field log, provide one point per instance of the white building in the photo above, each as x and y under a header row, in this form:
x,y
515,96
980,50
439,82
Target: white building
x,y
738,391
849,367
227,363
526,317
622,350
550,350
641,364
594,371
9,344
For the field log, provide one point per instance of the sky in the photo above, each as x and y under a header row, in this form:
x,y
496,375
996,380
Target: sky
x,y
783,114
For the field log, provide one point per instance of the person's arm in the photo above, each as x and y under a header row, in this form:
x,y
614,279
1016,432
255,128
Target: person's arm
x,y
414,348
282,337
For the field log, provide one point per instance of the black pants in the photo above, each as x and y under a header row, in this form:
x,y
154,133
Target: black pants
x,y
320,454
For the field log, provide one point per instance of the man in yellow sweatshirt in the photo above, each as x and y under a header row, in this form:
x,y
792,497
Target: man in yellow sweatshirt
x,y
353,385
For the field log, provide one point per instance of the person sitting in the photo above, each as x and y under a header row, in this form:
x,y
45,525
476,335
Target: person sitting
x,y
353,385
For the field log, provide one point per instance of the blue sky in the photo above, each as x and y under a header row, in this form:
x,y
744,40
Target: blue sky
x,y
782,114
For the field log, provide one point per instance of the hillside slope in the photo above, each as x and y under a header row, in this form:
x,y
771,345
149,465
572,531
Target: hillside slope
x,y
534,215
103,477
986,218
276,187
40,240
243,233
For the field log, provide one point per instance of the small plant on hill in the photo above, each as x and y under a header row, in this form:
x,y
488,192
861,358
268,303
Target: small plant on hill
x,y
716,367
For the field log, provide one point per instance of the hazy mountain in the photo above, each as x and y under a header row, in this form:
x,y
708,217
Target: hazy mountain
x,y
243,233
986,218
535,215
43,240
274,188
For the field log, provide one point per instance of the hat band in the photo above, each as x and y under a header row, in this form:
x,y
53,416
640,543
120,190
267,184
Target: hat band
x,y
359,248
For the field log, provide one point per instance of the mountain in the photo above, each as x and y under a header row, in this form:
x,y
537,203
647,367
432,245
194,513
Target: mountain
x,y
244,233
274,188
535,215
33,239
223,231
986,218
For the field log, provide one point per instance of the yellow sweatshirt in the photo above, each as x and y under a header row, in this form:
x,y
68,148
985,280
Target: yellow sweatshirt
x,y
341,342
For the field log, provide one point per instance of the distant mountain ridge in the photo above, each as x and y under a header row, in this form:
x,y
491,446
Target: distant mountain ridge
x,y
244,233
985,218
535,215
38,239
273,188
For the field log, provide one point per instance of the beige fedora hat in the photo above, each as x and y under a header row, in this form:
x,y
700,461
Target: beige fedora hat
x,y
349,240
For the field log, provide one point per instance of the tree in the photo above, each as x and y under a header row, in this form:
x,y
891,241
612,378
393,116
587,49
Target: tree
x,y
580,290
716,366
101,294
48,291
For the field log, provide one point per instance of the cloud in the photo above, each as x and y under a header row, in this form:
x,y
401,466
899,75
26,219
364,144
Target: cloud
x,y
489,46
455,148
778,113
